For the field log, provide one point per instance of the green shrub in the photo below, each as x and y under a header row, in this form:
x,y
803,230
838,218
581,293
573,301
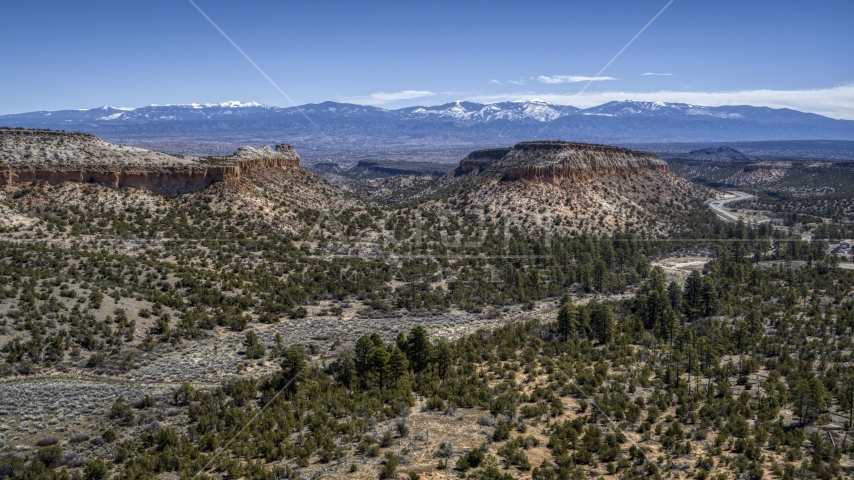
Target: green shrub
x,y
96,470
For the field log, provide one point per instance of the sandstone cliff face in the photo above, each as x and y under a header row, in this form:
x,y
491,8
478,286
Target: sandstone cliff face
x,y
554,162
56,157
564,187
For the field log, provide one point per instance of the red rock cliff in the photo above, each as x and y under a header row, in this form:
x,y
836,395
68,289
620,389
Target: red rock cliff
x,y
56,157
556,161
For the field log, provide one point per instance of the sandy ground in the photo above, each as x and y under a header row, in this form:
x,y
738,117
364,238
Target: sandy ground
x,y
679,268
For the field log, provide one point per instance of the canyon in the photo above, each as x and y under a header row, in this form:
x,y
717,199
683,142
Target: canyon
x,y
558,186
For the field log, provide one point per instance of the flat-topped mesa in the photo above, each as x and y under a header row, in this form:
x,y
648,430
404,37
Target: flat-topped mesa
x,y
56,157
247,159
554,161
283,154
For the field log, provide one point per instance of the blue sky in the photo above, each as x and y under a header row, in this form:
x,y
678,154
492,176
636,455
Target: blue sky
x,y
59,55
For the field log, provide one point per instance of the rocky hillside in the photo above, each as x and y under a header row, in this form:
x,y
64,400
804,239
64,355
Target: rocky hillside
x,y
557,161
57,157
822,188
569,187
717,153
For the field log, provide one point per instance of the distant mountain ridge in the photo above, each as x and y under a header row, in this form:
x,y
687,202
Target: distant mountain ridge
x,y
460,122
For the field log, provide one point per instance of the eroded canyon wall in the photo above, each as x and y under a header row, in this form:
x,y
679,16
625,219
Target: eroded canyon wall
x,y
558,161
57,157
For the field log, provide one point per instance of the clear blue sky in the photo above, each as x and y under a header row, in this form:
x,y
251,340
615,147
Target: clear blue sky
x,y
59,55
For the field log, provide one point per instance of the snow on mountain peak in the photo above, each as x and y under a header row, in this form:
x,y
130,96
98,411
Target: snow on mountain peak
x,y
228,104
234,104
532,100
520,117
644,105
528,109
634,107
106,108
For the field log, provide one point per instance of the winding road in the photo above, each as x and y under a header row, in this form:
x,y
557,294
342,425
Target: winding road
x,y
717,206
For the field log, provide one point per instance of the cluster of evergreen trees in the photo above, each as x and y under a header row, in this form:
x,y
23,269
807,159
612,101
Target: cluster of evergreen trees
x,y
703,386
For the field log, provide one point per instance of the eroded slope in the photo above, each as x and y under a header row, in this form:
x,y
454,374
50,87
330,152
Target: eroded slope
x,y
57,157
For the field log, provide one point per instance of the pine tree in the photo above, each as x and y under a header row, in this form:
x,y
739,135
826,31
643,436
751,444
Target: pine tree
x,y
602,318
362,352
254,349
672,326
809,397
754,320
691,290
674,294
567,320
692,363
444,358
600,270
398,365
378,361
293,367
657,280
845,397
708,296
418,348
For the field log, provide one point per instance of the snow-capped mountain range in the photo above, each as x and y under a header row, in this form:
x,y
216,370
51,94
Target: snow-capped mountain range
x,y
534,109
456,121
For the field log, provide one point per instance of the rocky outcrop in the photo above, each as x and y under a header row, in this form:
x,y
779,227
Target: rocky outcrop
x,y
282,155
480,160
557,161
56,157
567,188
